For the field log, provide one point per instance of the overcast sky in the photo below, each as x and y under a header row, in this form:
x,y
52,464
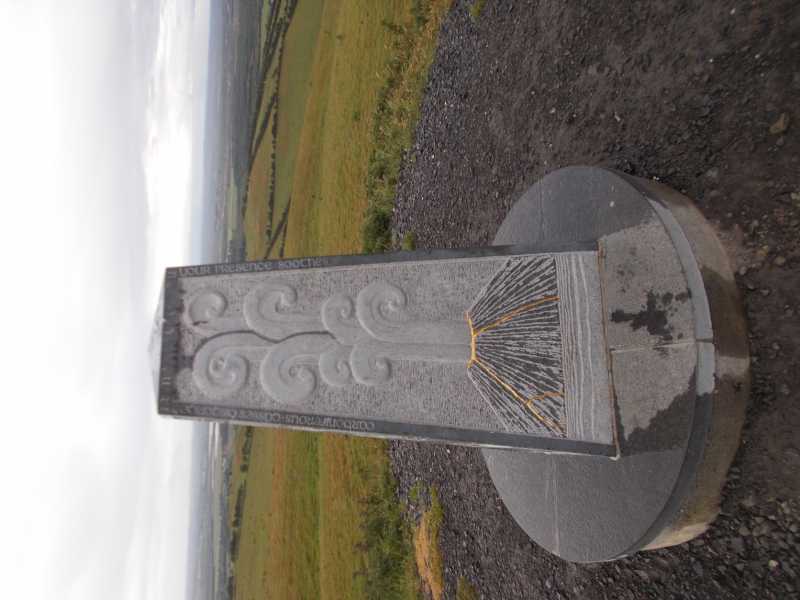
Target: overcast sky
x,y
95,155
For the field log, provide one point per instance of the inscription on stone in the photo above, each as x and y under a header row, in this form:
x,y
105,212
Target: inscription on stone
x,y
501,349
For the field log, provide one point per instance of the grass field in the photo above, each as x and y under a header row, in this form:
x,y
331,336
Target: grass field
x,y
277,548
315,516
334,152
318,516
350,77
289,74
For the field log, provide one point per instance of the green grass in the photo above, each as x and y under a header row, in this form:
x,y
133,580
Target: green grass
x,y
409,241
414,492
291,77
364,109
297,84
349,87
365,543
328,192
464,590
232,203
396,114
319,519
387,540
265,16
277,545
476,8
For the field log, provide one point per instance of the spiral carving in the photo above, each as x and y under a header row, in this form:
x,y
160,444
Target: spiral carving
x,y
219,369
205,310
268,311
286,372
368,366
334,366
381,310
339,317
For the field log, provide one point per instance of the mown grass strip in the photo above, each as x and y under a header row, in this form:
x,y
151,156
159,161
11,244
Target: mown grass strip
x,y
291,49
476,9
397,113
464,590
365,543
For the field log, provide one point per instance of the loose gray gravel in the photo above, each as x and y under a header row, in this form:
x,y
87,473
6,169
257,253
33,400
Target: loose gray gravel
x,y
702,95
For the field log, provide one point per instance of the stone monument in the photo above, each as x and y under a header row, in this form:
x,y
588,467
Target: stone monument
x,y
597,356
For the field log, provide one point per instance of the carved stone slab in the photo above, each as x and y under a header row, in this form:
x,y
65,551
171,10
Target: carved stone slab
x,y
500,347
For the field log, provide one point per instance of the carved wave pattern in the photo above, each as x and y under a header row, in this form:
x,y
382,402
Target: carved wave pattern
x,y
515,349
222,365
206,313
344,342
271,310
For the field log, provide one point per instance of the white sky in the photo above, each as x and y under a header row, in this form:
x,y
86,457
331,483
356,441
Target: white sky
x,y
95,155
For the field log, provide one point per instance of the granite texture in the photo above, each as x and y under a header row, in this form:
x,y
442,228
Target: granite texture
x,y
463,349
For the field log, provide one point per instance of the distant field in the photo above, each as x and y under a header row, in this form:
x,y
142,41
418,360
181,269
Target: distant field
x,y
318,516
330,194
279,125
277,549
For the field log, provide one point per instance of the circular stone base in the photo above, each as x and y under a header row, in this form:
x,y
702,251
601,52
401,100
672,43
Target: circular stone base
x,y
677,350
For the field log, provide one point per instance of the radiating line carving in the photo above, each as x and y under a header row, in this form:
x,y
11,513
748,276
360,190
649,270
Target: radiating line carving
x,y
515,346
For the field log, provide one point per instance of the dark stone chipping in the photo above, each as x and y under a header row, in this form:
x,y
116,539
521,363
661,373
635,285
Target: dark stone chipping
x,y
683,91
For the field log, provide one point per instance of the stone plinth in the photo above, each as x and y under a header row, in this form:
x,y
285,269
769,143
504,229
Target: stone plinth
x,y
677,348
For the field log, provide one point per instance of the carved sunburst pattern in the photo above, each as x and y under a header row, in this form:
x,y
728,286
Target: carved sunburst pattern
x,y
515,354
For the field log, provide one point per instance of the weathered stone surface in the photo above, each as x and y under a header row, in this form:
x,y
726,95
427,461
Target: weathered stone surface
x,y
501,348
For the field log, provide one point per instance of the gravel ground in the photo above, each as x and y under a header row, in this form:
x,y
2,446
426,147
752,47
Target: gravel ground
x,y
702,95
